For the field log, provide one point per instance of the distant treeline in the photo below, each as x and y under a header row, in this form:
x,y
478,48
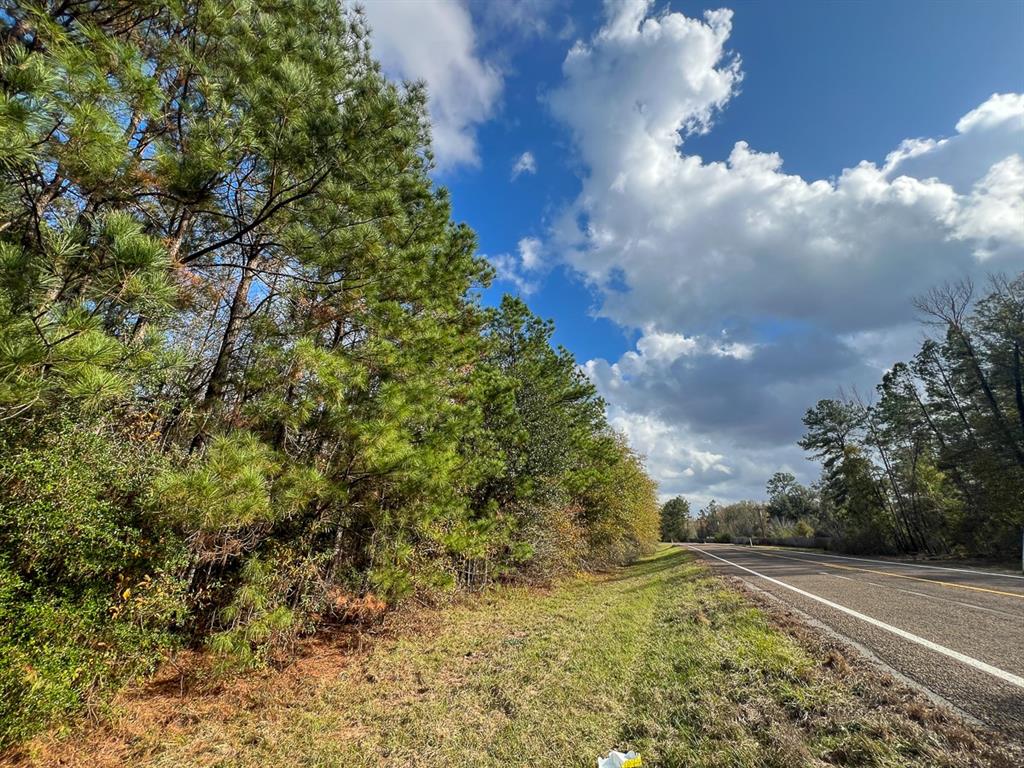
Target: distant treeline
x,y
247,386
934,463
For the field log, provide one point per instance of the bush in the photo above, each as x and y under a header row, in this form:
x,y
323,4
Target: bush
x,y
557,543
89,594
803,528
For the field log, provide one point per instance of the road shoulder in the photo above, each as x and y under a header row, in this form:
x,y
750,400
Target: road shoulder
x,y
878,682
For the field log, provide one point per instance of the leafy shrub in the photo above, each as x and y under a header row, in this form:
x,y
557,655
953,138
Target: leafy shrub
x,y
89,594
556,542
803,528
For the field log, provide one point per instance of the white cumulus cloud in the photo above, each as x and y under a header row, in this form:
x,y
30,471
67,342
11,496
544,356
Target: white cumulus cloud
x,y
525,268
755,291
434,41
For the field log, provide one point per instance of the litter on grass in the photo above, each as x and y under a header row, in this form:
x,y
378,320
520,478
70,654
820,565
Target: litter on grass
x,y
616,759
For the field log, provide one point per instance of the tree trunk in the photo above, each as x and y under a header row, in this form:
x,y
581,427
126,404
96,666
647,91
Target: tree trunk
x,y
958,477
957,406
990,398
219,375
1018,386
217,382
901,505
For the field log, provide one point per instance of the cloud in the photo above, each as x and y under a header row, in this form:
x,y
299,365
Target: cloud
x,y
525,18
720,389
523,270
756,292
962,159
690,466
434,41
530,254
525,163
992,216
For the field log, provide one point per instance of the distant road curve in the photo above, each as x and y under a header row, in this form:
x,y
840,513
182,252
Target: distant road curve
x,y
957,632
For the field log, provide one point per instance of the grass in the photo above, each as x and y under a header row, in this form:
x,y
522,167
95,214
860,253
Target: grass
x,y
661,657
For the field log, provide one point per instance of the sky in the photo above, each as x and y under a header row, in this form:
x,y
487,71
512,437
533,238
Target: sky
x,y
726,210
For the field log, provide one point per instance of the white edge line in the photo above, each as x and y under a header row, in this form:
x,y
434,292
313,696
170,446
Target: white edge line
x,y
864,651
905,564
1009,677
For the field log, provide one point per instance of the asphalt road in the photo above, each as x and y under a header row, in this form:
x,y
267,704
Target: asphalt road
x,y
956,632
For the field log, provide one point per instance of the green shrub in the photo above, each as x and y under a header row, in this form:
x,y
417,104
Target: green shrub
x,y
803,528
89,594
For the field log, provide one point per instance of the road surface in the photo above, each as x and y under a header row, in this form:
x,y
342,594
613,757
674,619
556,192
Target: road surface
x,y
956,632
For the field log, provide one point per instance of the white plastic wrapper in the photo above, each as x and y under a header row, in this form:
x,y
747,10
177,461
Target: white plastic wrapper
x,y
616,759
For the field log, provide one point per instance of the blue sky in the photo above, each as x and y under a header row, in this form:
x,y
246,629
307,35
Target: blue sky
x,y
700,225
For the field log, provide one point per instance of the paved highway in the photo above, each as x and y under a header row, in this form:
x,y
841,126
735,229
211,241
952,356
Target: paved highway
x,y
957,632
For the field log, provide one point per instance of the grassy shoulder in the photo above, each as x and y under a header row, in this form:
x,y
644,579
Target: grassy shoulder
x,y
661,657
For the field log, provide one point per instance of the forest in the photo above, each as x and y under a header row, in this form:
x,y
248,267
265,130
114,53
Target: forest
x,y
932,463
249,387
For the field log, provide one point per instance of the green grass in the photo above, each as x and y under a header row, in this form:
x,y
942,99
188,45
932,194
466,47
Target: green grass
x,y
660,657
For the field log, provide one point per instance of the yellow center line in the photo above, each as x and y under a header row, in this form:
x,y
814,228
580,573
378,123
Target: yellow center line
x,y
897,575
